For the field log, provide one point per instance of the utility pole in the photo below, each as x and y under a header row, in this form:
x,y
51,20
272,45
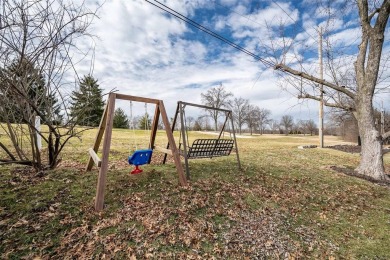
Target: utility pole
x,y
382,120
321,105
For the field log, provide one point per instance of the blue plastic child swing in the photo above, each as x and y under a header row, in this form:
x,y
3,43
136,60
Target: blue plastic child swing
x,y
139,157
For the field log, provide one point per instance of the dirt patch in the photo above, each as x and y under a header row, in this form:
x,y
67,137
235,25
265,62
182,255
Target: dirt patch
x,y
353,173
346,148
27,175
352,148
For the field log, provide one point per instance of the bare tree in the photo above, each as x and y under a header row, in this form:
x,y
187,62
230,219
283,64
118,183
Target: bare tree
x,y
251,118
295,129
216,97
311,126
274,125
286,123
202,122
306,127
257,118
197,125
263,118
43,34
302,126
189,121
345,123
239,108
354,89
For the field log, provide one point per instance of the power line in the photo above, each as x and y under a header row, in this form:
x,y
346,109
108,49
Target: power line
x,y
243,16
254,21
339,48
220,37
294,21
210,32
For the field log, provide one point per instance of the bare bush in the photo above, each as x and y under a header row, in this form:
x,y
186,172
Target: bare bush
x,y
38,41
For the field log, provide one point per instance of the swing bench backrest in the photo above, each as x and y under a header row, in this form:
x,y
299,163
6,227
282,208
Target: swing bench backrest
x,y
208,148
141,157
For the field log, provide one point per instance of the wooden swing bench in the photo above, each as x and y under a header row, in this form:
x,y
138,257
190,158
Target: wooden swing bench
x,y
201,148
208,148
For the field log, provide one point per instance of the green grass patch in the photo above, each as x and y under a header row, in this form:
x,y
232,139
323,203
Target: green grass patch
x,y
283,201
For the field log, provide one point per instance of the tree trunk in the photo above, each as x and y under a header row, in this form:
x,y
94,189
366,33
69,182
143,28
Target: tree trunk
x,y
367,69
50,147
371,162
216,122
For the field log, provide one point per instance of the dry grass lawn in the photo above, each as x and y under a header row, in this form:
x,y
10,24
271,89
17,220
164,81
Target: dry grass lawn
x,y
284,203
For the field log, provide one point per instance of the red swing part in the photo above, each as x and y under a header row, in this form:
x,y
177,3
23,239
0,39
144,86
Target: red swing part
x,y
136,170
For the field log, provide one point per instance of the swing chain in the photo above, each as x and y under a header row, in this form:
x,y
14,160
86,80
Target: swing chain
x,y
132,127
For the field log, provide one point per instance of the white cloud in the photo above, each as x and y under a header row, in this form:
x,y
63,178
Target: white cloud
x,y
246,24
349,37
324,12
229,2
143,52
332,25
219,22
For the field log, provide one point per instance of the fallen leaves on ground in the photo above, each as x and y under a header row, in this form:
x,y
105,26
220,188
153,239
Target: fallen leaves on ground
x,y
207,219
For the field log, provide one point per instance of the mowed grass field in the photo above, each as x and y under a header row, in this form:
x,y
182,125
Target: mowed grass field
x,y
284,203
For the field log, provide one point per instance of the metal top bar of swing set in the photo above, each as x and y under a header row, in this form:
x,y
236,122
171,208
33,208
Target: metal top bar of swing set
x,y
205,107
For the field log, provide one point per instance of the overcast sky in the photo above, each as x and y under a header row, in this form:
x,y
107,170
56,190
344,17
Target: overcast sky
x,y
142,51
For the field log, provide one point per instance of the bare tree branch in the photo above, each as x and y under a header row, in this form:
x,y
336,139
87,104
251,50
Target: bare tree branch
x,y
326,103
315,79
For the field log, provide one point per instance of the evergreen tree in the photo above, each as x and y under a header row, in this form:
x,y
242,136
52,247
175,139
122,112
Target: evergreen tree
x,y
145,122
120,119
23,75
87,103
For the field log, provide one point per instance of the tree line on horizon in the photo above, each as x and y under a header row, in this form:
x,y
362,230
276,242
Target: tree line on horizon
x,y
256,119
87,107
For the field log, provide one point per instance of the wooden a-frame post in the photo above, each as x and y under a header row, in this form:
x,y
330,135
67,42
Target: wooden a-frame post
x,y
105,130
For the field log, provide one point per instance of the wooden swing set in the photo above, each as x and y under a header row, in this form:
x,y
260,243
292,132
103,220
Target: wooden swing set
x,y
201,148
139,157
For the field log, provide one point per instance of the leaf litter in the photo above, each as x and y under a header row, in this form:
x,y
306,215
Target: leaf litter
x,y
270,215
208,219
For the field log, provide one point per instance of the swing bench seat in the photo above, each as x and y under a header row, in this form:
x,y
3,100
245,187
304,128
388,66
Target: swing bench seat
x,y
208,148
